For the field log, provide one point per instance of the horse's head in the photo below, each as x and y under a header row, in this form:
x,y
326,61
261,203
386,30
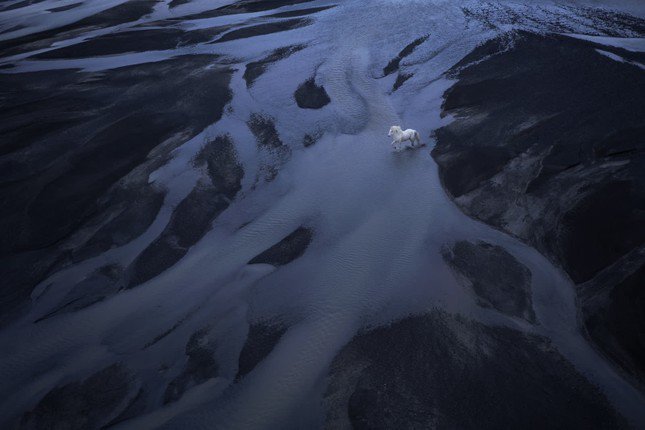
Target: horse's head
x,y
394,129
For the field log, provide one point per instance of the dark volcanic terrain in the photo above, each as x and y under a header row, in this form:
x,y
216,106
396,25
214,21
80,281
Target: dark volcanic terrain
x,y
548,148
204,225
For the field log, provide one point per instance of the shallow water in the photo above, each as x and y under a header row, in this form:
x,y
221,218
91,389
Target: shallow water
x,y
379,218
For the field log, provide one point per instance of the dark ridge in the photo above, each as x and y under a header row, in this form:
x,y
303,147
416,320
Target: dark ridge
x,y
393,65
400,80
163,335
495,276
611,21
136,209
64,8
200,366
593,215
123,13
629,56
268,172
261,5
547,148
220,158
619,142
262,29
311,96
132,41
460,182
412,46
468,157
263,128
616,324
175,3
299,12
19,274
250,6
620,153
83,404
30,131
287,250
189,222
272,151
79,187
136,407
103,283
608,22
483,51
82,146
20,4
12,28
193,217
443,371
261,340
310,139
243,7
255,69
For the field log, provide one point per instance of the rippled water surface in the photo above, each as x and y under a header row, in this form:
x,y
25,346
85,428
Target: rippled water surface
x,y
379,218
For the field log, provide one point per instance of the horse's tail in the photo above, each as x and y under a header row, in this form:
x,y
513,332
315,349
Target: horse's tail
x,y
418,137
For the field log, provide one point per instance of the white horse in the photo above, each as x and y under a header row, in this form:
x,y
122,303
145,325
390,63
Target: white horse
x,y
401,136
